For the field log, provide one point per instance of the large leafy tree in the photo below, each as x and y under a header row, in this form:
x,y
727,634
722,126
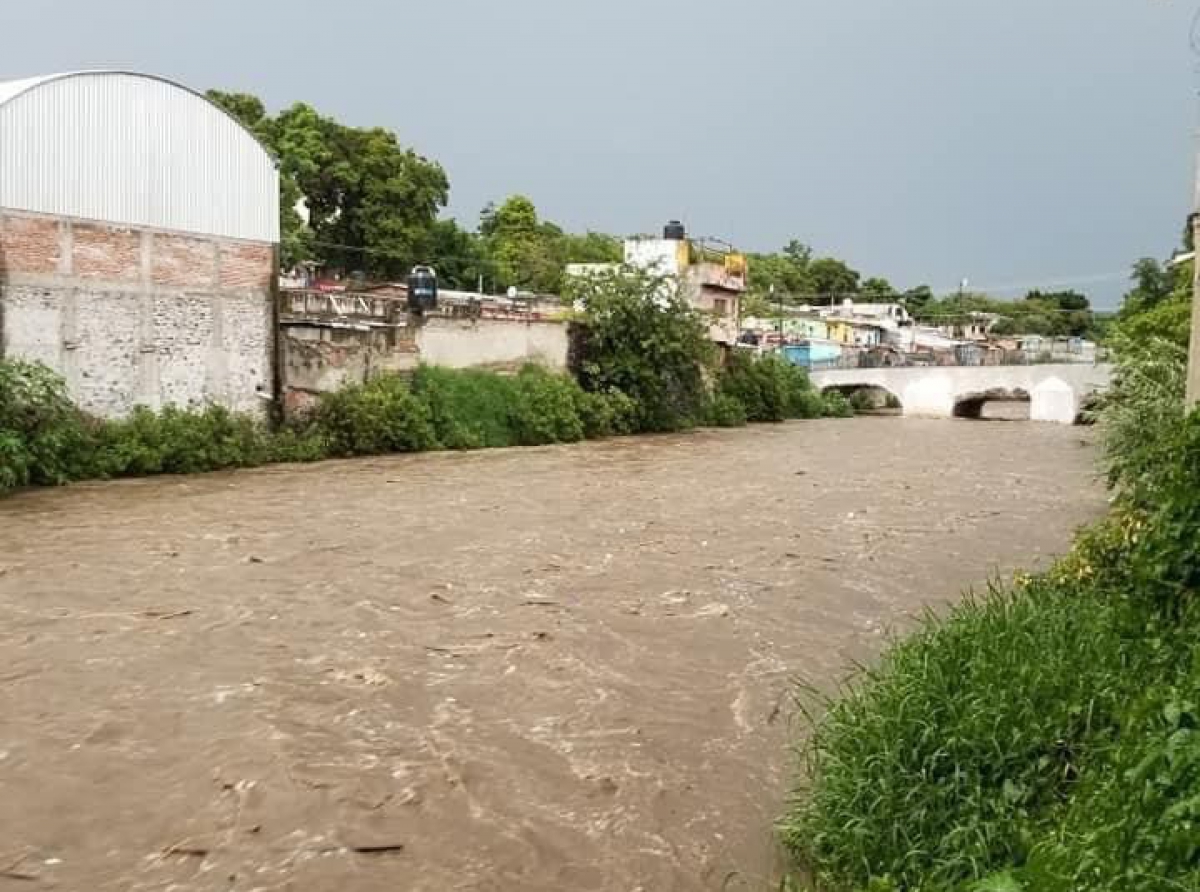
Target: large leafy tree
x,y
349,197
832,279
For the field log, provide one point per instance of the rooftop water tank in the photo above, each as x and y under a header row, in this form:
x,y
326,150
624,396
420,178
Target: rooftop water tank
x,y
422,289
674,231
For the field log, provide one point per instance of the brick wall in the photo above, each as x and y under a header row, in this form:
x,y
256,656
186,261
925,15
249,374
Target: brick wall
x,y
29,244
133,317
246,265
183,262
105,252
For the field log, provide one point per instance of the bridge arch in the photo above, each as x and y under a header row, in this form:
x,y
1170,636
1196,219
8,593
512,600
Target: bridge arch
x,y
970,405
1055,392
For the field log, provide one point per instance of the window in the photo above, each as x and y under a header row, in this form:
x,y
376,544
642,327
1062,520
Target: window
x,y
721,306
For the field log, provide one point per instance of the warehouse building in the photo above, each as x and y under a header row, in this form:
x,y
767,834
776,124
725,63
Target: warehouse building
x,y
139,229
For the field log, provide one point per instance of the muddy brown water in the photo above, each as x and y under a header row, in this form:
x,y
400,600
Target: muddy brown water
x,y
565,668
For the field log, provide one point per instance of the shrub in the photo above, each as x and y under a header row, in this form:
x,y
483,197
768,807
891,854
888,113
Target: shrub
x,y
469,408
181,441
44,439
644,340
726,411
380,416
546,409
835,405
770,388
606,413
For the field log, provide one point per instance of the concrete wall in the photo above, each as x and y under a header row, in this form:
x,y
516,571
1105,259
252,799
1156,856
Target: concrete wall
x,y
492,342
1056,392
138,317
315,359
318,357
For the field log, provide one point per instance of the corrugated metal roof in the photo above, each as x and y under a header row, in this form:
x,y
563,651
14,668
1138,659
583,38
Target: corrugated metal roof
x,y
133,149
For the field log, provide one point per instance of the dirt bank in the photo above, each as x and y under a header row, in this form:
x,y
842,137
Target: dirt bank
x,y
539,669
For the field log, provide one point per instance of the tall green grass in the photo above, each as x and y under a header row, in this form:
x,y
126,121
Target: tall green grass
x,y
1045,736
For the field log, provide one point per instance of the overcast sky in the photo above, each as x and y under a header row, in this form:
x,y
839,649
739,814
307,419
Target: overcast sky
x,y
1010,142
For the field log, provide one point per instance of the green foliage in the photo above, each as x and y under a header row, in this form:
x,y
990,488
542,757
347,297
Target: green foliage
x,y
378,417
606,413
644,340
770,389
468,408
179,441
836,405
934,767
726,411
1047,736
547,408
1051,314
44,439
371,203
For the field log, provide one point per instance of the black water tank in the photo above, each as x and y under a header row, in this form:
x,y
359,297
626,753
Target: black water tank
x,y
422,289
674,230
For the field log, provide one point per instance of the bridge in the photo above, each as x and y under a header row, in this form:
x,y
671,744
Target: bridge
x,y
1055,392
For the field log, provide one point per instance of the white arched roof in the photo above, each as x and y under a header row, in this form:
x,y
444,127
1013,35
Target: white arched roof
x,y
137,150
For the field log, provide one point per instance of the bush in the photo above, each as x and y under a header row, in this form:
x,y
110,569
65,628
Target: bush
x,y
547,408
606,414
180,441
469,408
644,340
770,388
726,411
378,417
834,405
44,439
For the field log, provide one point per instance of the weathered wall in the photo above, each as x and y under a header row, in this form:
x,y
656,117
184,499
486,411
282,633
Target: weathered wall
x,y
315,359
133,316
492,342
318,357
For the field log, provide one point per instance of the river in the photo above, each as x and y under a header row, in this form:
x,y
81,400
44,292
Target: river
x,y
535,669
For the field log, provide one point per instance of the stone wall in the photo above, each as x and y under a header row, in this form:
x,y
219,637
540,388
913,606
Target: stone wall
x,y
138,317
318,357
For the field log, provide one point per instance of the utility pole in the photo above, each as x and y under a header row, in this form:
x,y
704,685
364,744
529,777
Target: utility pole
x,y
1193,372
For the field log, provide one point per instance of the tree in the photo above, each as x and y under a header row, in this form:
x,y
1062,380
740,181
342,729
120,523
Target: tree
x,y
349,197
1153,283
643,339
528,254
460,257
877,287
916,300
831,278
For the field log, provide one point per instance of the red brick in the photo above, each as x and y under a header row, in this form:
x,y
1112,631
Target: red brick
x,y
29,245
247,265
183,262
105,252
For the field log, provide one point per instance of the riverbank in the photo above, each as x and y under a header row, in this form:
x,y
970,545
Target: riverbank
x,y
543,668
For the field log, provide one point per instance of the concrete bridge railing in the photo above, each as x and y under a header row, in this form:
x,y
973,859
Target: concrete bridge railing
x,y
1055,391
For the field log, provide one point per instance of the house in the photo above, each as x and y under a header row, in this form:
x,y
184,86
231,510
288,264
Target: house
x,y
856,332
811,354
711,280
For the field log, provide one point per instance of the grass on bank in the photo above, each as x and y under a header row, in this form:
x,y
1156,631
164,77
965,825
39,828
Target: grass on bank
x,y
45,440
1045,735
